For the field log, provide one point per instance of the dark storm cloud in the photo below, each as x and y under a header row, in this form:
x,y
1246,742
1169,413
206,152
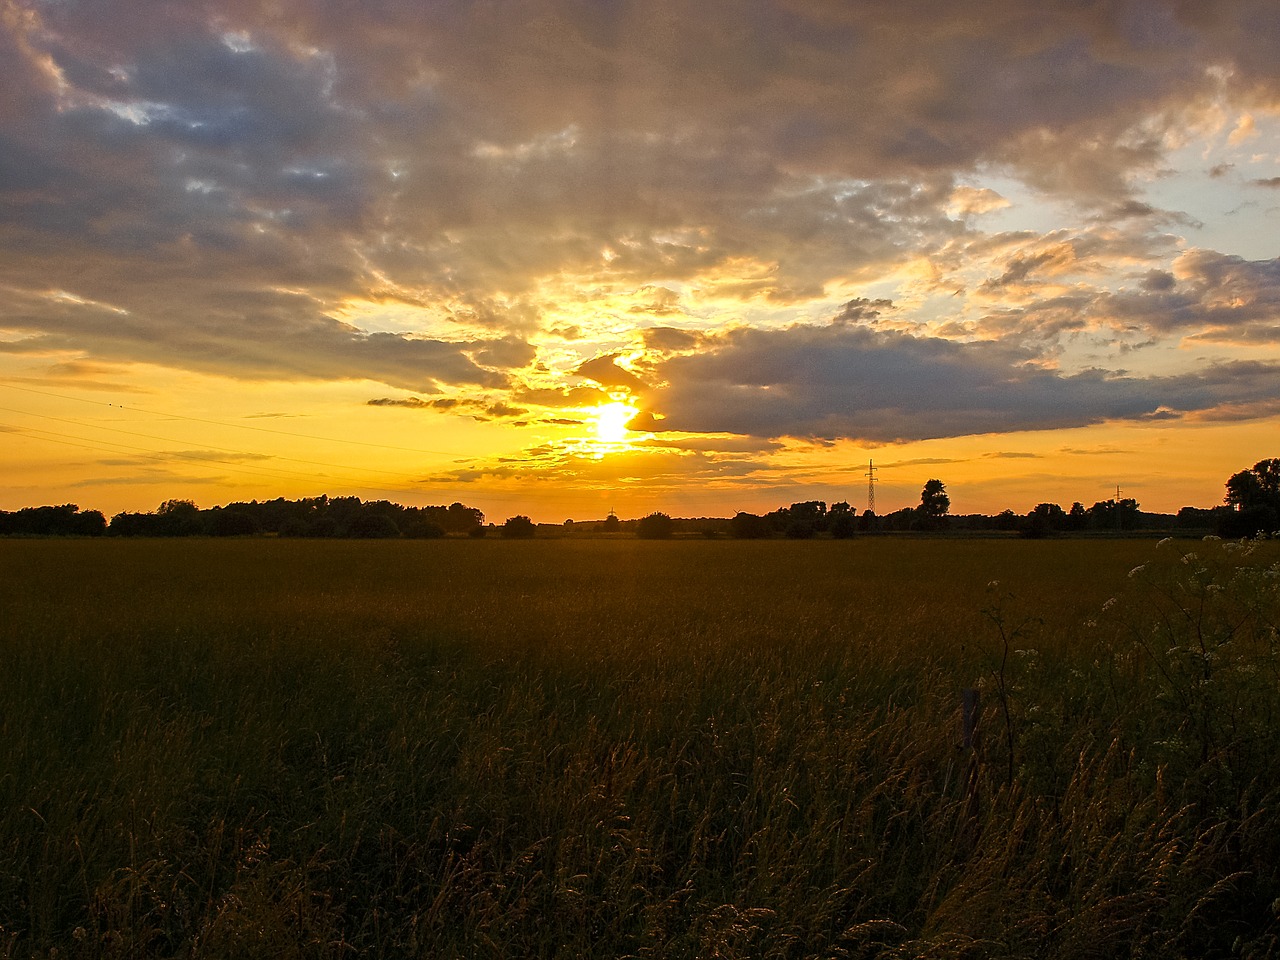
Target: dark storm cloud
x,y
882,387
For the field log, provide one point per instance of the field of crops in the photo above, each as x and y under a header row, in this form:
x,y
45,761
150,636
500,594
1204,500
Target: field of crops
x,y
594,748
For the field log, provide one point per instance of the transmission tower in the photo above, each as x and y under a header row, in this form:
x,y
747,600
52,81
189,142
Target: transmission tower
x,y
871,486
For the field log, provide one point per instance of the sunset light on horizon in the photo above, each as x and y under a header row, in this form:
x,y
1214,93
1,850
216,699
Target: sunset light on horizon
x,y
559,258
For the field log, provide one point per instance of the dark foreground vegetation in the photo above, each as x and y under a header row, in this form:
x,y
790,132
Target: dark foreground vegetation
x,y
596,748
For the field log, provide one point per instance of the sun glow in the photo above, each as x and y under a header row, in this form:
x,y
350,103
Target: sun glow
x,y
611,421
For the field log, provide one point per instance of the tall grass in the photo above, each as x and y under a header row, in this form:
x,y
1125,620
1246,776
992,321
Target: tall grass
x,y
636,749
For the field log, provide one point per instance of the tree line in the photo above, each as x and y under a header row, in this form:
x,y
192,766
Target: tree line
x,y
321,516
1251,506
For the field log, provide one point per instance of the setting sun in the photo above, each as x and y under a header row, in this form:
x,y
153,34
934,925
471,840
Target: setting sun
x,y
611,422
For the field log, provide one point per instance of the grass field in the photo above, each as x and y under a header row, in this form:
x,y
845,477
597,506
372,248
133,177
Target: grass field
x,y
638,749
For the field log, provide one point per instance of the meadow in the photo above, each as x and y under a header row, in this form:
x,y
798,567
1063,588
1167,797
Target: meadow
x,y
625,748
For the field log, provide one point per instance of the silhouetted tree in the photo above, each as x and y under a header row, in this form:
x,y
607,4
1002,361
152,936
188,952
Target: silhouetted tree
x,y
934,505
801,520
1199,519
228,522
1005,520
841,521
908,518
128,524
656,526
1077,517
611,523
749,526
462,519
1255,496
61,521
518,527
179,518
1114,514
1043,520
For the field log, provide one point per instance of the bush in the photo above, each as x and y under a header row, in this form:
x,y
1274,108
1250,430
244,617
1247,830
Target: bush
x,y
843,526
424,530
748,526
800,530
656,526
518,527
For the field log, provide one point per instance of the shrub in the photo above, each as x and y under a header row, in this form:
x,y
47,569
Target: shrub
x,y
424,530
748,526
656,526
518,527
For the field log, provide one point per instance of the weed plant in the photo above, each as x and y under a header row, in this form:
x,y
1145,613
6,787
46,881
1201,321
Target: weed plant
x,y
638,749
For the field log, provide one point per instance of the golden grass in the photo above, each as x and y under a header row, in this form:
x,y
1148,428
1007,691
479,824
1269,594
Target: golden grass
x,y
633,749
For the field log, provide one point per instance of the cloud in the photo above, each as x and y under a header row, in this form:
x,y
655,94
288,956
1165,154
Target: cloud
x,y
1158,281
671,339
450,404
719,445
212,185
605,371
413,403
258,336
885,387
862,310
561,397
1246,129
973,201
657,301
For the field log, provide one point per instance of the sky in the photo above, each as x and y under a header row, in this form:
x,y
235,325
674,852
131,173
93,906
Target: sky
x,y
558,257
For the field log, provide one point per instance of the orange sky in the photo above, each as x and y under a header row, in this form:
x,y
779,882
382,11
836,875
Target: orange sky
x,y
644,255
